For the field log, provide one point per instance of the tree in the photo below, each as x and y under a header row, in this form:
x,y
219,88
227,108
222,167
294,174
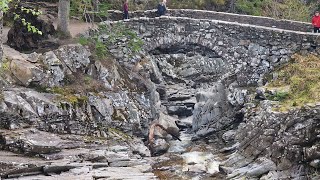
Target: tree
x,y
232,5
1,27
3,8
63,17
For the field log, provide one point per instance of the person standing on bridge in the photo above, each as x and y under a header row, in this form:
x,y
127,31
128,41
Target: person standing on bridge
x,y
162,8
125,10
316,22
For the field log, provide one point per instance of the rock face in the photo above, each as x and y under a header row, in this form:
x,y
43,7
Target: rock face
x,y
190,72
71,111
275,145
213,112
85,105
70,157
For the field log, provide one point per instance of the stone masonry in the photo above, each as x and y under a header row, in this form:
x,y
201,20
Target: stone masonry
x,y
248,51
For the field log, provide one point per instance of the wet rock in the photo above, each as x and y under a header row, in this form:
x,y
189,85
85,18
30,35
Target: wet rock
x,y
168,122
200,162
160,146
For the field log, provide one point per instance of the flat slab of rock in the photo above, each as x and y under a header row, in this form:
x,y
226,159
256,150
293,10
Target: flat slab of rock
x,y
31,141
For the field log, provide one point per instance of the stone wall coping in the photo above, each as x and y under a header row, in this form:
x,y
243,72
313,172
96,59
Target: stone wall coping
x,y
216,12
241,15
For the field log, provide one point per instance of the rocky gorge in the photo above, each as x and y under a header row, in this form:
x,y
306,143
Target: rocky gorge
x,y
66,114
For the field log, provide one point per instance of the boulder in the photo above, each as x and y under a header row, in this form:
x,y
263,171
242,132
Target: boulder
x,y
31,141
26,72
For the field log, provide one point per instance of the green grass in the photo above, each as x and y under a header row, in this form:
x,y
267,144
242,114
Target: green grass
x,y
302,77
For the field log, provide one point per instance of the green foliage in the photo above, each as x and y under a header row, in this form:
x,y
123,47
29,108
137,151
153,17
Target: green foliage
x,y
5,65
278,96
196,4
87,8
77,7
302,77
14,7
252,7
68,95
83,41
285,9
118,32
4,5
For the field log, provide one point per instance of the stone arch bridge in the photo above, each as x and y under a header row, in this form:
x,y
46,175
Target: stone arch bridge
x,y
248,46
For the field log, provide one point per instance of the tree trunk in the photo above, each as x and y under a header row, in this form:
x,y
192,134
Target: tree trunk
x,y
95,4
232,6
63,17
1,31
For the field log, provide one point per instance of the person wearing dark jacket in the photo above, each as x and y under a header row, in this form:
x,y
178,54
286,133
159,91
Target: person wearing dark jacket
x,y
316,22
125,10
162,8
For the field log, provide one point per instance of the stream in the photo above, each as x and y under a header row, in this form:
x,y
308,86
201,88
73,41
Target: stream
x,y
187,159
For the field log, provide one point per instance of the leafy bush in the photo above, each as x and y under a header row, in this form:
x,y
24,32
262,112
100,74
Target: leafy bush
x,y
252,7
14,10
106,35
285,9
198,4
278,96
84,8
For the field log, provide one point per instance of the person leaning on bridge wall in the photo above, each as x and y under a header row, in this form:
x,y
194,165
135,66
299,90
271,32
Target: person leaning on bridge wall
x,y
125,10
162,8
316,22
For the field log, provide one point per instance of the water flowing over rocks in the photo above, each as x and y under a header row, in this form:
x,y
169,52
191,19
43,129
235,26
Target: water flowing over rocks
x,y
65,114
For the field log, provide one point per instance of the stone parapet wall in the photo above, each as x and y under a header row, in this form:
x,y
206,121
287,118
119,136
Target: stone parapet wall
x,y
203,14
